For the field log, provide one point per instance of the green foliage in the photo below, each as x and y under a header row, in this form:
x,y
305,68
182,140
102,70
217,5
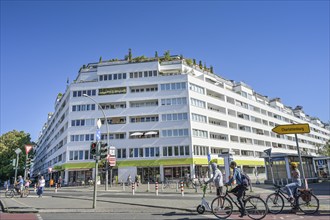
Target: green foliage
x,y
167,55
8,144
194,61
156,54
189,62
100,60
200,64
211,69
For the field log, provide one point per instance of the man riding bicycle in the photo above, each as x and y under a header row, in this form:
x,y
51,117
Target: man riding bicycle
x,y
19,185
240,188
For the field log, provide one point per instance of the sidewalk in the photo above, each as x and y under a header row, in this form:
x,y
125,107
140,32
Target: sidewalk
x,y
80,199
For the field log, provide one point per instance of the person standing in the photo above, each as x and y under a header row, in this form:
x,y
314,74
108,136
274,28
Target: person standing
x,y
59,182
217,178
240,188
41,185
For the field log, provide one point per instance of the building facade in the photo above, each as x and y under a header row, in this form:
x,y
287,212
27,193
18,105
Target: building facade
x,y
164,118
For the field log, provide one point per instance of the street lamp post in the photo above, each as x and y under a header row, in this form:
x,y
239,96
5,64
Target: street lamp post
x,y
17,151
106,123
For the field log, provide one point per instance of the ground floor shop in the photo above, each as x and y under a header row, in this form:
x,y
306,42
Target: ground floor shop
x,y
147,171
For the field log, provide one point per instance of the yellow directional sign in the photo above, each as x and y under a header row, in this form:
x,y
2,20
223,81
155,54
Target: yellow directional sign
x,y
292,129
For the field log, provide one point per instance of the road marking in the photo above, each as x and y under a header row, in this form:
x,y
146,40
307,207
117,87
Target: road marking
x,y
39,217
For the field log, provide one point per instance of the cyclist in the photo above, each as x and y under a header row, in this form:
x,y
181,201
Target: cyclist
x,y
19,185
296,182
240,188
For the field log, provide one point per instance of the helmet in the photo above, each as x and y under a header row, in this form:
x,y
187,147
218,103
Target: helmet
x,y
294,164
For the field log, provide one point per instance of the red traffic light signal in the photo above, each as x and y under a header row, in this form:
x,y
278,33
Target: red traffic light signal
x,y
93,148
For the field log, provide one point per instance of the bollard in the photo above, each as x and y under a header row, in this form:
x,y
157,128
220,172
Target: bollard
x,y
55,187
156,188
162,187
123,185
182,191
133,189
35,187
148,189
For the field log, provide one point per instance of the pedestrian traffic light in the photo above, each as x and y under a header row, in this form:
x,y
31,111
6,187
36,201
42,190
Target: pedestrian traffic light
x,y
93,148
103,151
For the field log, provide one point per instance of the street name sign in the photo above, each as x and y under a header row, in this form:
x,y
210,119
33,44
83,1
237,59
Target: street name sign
x,y
292,129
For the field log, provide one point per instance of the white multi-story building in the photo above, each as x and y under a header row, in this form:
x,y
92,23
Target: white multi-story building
x,y
164,118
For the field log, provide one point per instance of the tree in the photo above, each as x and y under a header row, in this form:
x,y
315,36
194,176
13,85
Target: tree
x,y
100,60
200,65
8,144
326,149
156,54
167,55
129,54
211,69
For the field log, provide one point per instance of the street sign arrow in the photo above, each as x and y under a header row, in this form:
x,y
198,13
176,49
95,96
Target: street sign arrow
x,y
292,129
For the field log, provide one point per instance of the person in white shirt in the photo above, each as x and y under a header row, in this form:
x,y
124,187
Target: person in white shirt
x,y
41,185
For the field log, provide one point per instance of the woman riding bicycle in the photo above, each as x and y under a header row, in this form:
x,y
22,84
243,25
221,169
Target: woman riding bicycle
x,y
296,181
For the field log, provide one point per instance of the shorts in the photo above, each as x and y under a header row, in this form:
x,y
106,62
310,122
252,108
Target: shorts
x,y
219,191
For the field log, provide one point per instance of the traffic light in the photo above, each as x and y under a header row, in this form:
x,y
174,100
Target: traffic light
x,y
103,151
93,148
28,162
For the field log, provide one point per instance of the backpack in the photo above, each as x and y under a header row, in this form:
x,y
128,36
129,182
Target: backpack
x,y
246,181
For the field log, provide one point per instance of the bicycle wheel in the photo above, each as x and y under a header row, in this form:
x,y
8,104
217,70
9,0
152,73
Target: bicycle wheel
x,y
9,194
255,207
308,205
221,207
275,203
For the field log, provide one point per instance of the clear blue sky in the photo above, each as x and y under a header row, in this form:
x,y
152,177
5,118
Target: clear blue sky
x,y
279,48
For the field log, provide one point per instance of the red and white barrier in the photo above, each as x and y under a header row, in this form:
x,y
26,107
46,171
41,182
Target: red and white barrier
x,y
156,188
182,190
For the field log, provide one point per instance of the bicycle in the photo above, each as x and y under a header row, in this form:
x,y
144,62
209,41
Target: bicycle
x,y
255,207
14,192
304,200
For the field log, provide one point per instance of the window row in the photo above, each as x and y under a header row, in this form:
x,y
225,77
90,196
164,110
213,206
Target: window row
x,y
82,122
143,152
140,74
175,117
80,93
169,151
144,89
174,101
114,76
173,86
87,107
81,137
80,155
175,133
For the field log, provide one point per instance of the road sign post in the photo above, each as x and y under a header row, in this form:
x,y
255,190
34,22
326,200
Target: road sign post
x,y
295,129
268,152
